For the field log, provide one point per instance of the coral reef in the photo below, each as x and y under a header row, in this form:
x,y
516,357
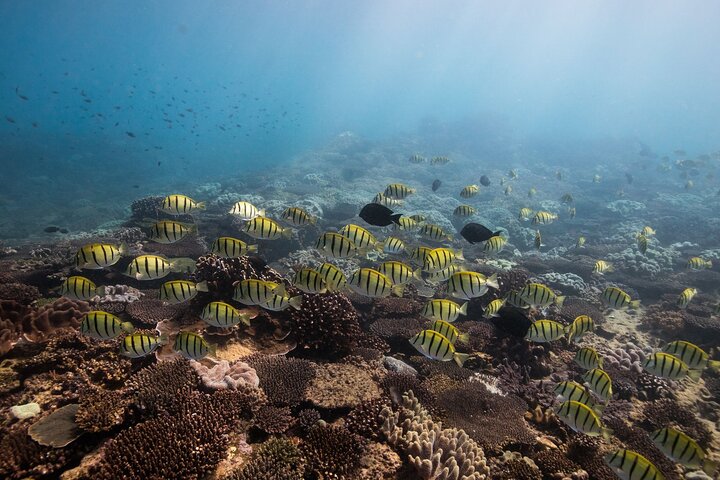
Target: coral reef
x,y
333,452
284,380
223,375
326,322
276,459
338,385
162,387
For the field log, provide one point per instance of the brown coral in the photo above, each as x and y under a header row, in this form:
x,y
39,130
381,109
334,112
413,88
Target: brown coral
x,y
151,311
338,385
284,380
273,420
162,386
276,459
333,452
101,410
327,323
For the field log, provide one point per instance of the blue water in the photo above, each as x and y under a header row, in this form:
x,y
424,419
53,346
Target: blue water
x,y
154,94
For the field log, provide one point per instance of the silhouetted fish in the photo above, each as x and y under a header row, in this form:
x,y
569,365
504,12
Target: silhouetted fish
x,y
52,229
130,134
436,184
379,215
475,233
485,181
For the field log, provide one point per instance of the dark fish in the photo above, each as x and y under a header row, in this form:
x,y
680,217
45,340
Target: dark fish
x,y
63,230
9,119
475,233
52,229
379,215
22,97
130,134
436,184
485,181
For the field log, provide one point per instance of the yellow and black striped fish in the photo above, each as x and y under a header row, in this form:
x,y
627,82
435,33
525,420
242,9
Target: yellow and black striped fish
x,y
398,272
263,228
493,308
229,247
387,201
434,345
544,218
360,236
334,277
601,266
440,258
648,231
309,281
579,327
469,285
539,295
95,256
253,291
542,331
419,218
494,244
138,345
298,216
599,382
513,298
572,212
686,296
177,204
434,232
588,358
371,283
569,390
398,191
464,211
406,223
642,243
439,160
469,191
669,366
444,274
580,242
693,356
246,211
581,418
393,245
103,326
336,245
416,159
80,288
152,267
538,240
525,214
682,449
178,291
613,297
278,302
223,315
443,309
448,331
192,346
168,231
419,253
629,465
697,263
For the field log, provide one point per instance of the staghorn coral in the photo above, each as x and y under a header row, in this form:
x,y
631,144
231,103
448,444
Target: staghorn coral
x,y
101,410
225,376
308,418
161,387
273,420
276,459
333,452
151,311
326,322
338,385
434,452
284,380
588,452
554,464
365,419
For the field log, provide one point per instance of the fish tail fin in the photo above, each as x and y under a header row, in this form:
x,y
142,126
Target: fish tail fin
x,y
202,286
464,337
460,358
606,433
396,218
127,327
598,408
261,213
244,318
252,249
296,302
193,228
694,375
635,304
492,281
709,264
714,365
397,290
709,466
183,264
280,290
459,254
559,300
463,308
123,249
287,232
100,291
417,274
200,205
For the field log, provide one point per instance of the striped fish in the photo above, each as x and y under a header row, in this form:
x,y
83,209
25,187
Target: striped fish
x,y
138,345
152,267
693,356
493,308
573,391
398,190
629,465
508,190
387,201
333,277
80,288
177,204
434,345
443,309
419,218
192,346
394,245
223,315
525,214
263,228
648,231
588,358
246,211
642,243
538,240
309,281
697,263
178,291
439,160
417,159
419,253
360,236
103,326
95,256
581,418
580,242
572,212
599,382
253,291
406,223
531,193
579,327
298,217
668,366
682,449
469,285
539,295
398,272
494,244
229,247
371,283
440,258
544,218
513,298
601,266
613,297
168,231
542,331
686,296
336,245
464,211
469,191
448,331
443,275
434,232
278,302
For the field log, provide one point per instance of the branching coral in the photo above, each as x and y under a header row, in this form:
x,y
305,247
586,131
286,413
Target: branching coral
x,y
365,419
151,311
162,386
284,380
273,420
276,459
100,410
338,385
333,452
326,322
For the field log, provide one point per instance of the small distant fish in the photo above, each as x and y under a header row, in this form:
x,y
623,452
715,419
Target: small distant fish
x,y
485,181
613,297
464,211
508,190
544,218
580,242
539,295
669,366
436,346
229,247
168,231
177,204
629,465
596,178
394,245
80,288
579,327
439,258
525,214
493,308
582,418
20,96
513,174
532,192
469,191
434,232
468,285
588,358
178,291
298,217
223,315
192,346
253,291
153,267
682,449
629,178
572,212
309,281
559,175
542,331
686,296
95,256
538,240
648,231
418,218
139,345
439,160
398,191
697,263
407,224
398,272
333,277
567,198
246,211
9,119
263,228
130,134
601,267
449,331
379,215
103,326
642,243
689,184
476,233
494,244
417,159
599,382
51,229
373,284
